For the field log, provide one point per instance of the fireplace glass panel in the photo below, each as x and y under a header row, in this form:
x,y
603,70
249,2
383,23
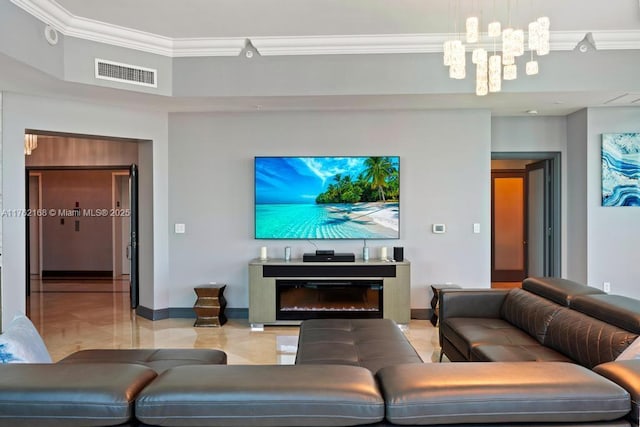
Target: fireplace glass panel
x,y
313,299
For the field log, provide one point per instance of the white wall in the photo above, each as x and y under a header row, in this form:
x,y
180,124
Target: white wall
x,y
533,134
613,232
444,175
21,112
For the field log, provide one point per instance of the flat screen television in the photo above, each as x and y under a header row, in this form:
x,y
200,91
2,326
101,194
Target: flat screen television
x,y
327,197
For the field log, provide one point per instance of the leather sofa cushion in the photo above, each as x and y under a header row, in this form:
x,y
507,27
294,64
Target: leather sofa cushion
x,y
262,395
516,353
529,312
618,310
69,395
157,359
585,339
514,392
627,374
467,332
370,343
561,291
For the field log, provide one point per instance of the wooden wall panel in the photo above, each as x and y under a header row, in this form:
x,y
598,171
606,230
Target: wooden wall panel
x,y
71,151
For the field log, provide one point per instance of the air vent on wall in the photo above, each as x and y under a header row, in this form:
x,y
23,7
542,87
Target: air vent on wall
x,y
125,73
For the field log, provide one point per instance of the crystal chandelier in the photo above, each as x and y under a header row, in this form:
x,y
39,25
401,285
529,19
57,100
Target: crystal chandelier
x,y
508,44
30,143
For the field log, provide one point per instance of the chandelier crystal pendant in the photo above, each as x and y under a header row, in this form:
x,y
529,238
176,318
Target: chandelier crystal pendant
x,y
472,29
30,143
502,64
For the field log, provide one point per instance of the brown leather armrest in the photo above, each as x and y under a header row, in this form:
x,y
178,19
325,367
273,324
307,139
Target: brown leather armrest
x,y
471,303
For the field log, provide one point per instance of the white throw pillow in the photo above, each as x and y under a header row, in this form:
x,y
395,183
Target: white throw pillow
x,y
631,352
21,343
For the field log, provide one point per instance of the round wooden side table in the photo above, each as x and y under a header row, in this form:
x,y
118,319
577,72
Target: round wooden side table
x,y
209,306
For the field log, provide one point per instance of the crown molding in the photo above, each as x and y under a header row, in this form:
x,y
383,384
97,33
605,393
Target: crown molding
x,y
397,43
341,45
52,13
616,40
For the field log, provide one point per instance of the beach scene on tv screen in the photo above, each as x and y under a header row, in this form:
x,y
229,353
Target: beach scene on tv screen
x,y
327,197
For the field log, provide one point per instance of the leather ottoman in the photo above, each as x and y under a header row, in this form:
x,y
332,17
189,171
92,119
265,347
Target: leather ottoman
x,y
370,343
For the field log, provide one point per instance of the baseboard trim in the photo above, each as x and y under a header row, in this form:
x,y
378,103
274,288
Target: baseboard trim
x,y
234,313
76,273
421,313
151,314
186,313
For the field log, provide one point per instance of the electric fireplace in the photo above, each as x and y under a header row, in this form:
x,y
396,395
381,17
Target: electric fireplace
x,y
300,299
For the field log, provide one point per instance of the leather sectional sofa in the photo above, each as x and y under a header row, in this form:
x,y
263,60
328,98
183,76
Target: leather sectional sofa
x,y
548,320
347,372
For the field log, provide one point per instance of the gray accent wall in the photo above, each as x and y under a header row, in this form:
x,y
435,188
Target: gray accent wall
x,y
531,134
22,112
613,233
577,172
197,169
602,241
444,178
1,286
0,185
24,40
80,65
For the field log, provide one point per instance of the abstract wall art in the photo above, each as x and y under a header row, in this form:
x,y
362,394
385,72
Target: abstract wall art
x,y
621,169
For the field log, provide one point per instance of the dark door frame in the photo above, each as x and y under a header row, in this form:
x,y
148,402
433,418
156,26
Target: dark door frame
x,y
554,210
544,166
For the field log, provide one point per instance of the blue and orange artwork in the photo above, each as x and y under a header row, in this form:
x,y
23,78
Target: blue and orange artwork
x,y
621,169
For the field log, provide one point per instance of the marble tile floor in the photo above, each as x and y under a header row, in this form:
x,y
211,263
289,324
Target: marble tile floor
x,y
71,317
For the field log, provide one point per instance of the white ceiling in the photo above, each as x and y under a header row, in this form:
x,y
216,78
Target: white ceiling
x,y
255,18
615,22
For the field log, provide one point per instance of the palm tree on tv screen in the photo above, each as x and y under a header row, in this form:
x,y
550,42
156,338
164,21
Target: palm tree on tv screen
x,y
377,171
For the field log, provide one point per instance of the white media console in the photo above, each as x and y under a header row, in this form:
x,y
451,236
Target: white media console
x,y
359,289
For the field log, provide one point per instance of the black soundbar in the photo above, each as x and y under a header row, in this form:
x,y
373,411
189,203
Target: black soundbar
x,y
326,257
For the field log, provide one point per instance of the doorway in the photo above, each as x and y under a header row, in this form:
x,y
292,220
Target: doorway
x,y
525,216
110,267
86,233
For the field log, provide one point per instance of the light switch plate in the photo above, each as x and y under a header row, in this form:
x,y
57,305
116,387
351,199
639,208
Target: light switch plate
x,y
438,228
180,228
476,227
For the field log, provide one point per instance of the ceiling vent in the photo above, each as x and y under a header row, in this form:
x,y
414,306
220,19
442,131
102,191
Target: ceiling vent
x,y
632,98
126,73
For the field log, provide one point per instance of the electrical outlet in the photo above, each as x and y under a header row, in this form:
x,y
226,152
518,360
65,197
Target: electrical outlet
x,y
606,286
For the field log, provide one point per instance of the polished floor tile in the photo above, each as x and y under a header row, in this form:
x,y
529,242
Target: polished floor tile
x,y
76,315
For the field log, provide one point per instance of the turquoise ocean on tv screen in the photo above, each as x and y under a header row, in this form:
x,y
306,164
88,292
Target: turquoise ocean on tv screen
x,y
287,191
311,221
